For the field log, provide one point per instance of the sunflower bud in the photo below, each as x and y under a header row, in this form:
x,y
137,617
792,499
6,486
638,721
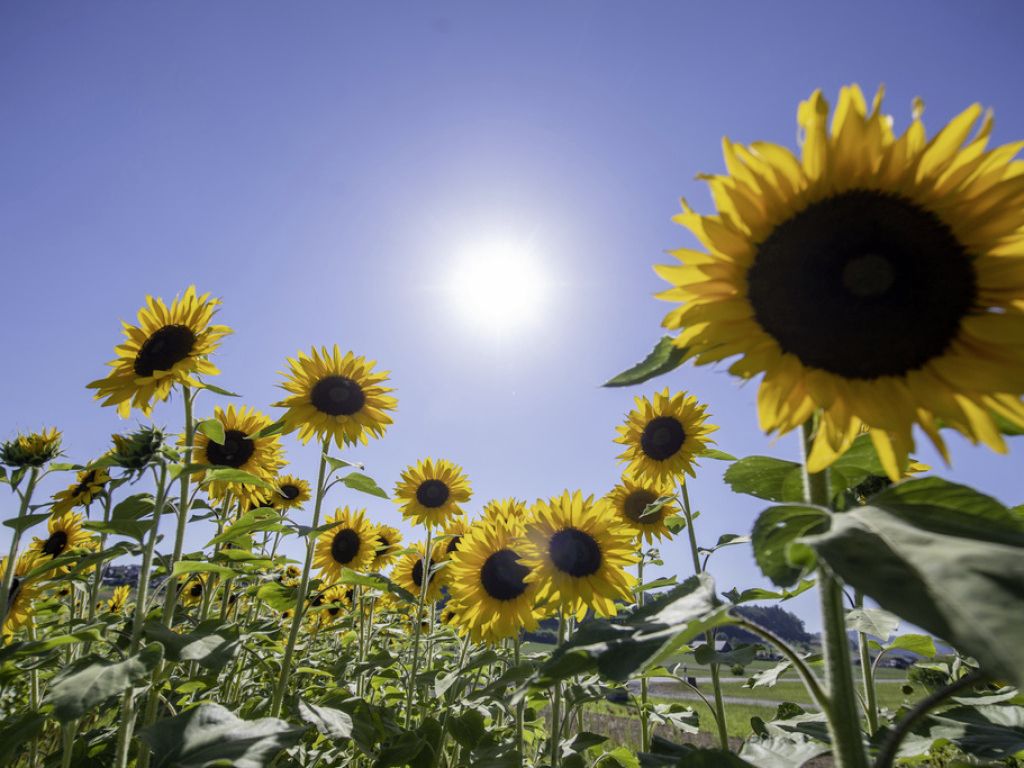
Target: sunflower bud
x,y
137,450
32,450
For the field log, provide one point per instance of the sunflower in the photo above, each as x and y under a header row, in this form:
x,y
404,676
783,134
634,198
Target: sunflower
x,y
577,551
66,534
408,573
350,542
289,575
89,484
119,599
242,449
330,605
389,542
430,492
663,438
510,513
878,279
335,395
166,348
192,586
31,450
488,582
455,530
289,492
23,592
631,499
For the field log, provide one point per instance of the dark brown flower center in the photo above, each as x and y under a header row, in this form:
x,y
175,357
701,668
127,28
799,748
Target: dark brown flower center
x,y
662,437
13,591
502,575
337,396
417,572
432,493
637,502
575,552
237,450
83,486
289,491
862,284
56,543
345,546
453,544
197,589
165,347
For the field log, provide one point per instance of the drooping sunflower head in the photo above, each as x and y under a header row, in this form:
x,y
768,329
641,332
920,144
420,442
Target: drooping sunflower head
x,y
23,592
66,535
289,492
430,492
408,573
577,551
88,485
335,395
242,449
350,542
488,582
644,505
31,450
167,347
877,279
137,450
191,588
389,543
119,599
510,513
663,437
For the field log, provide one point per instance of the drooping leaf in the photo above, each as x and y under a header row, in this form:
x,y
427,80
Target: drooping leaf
x,y
756,593
253,521
211,644
269,431
332,723
92,680
740,654
133,529
665,357
40,647
714,453
983,731
775,530
467,728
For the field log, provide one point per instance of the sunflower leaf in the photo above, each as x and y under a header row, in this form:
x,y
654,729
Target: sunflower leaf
x,y
232,475
200,566
336,464
364,483
213,429
92,680
665,357
775,530
332,723
277,596
218,391
268,431
25,522
713,453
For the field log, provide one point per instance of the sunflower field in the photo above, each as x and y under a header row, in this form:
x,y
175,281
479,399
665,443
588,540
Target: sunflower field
x,y
517,633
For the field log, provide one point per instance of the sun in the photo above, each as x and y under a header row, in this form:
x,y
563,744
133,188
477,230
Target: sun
x,y
499,285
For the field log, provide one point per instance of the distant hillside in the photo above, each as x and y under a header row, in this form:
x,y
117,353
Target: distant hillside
x,y
783,623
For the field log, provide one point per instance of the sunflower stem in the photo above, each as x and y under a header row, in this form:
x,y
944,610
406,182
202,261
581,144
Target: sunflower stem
x,y
555,752
97,577
171,595
645,724
282,681
521,704
709,637
12,557
867,675
843,715
414,666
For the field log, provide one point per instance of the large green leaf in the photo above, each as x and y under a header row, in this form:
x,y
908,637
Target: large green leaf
x,y
213,735
211,644
665,357
944,558
766,478
200,566
775,530
133,529
781,751
872,621
39,647
232,475
277,596
364,483
260,519
92,680
25,522
332,723
134,507
982,731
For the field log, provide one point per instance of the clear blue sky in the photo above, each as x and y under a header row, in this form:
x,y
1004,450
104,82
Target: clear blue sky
x,y
318,164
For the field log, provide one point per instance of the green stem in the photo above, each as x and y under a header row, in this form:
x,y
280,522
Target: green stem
x,y
843,716
12,557
97,577
709,637
171,595
867,671
555,753
418,618
520,705
645,722
286,662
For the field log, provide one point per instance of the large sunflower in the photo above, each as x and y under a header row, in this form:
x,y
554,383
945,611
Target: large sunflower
x,y
88,485
242,449
631,499
877,279
408,572
489,585
430,492
663,438
166,348
65,535
350,542
510,513
335,395
577,552
389,540
23,592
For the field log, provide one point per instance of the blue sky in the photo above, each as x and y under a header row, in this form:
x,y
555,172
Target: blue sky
x,y
320,166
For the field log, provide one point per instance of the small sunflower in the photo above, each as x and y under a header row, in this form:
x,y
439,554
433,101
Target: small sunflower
x,y
119,599
90,483
31,450
167,347
430,492
289,492
289,575
878,279
577,552
330,605
336,395
510,513
663,438
192,586
66,534
630,500
351,543
389,542
489,587
23,592
242,449
408,573
455,530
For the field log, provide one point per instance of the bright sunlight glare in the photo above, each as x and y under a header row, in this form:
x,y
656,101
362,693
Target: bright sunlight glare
x,y
499,286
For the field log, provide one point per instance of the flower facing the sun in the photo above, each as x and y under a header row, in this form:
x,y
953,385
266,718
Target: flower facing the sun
x,y
663,437
337,396
389,543
350,542
632,501
577,551
88,485
169,346
242,449
23,592
289,492
65,535
877,279
430,492
493,598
